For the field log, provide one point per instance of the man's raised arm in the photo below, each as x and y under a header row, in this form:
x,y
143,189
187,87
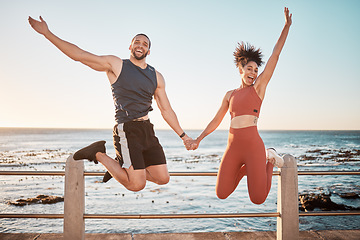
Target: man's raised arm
x,y
109,64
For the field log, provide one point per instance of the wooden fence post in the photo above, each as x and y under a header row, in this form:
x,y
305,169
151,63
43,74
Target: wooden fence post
x,y
287,203
74,200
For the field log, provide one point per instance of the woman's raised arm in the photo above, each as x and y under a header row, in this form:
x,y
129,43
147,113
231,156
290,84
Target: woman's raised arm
x,y
265,76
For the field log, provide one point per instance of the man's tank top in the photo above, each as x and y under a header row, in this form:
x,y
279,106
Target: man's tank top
x,y
244,101
133,92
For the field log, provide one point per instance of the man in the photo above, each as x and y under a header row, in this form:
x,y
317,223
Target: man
x,y
139,155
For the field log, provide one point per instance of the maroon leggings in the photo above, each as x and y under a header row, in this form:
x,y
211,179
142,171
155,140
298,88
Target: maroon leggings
x,y
245,155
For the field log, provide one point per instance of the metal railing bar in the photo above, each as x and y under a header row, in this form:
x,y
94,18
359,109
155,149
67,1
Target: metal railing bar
x,y
192,174
167,216
178,216
275,173
328,172
330,213
40,215
34,173
176,174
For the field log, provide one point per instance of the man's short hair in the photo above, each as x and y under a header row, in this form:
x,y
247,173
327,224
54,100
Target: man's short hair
x,y
142,34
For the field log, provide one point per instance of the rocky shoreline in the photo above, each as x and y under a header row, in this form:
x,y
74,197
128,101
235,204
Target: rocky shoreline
x,y
307,201
40,199
314,199
337,155
323,202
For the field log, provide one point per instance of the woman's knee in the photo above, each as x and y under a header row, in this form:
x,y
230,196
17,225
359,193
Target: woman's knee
x,y
222,195
258,199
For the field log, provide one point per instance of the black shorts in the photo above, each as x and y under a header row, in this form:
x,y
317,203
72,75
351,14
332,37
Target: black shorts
x,y
136,144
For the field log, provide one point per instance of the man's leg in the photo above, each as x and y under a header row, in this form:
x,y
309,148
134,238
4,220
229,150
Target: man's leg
x,y
158,174
133,180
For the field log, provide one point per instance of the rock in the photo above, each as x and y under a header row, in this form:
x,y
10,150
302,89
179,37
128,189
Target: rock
x,y
41,196
40,199
319,151
338,155
350,195
306,158
52,199
322,201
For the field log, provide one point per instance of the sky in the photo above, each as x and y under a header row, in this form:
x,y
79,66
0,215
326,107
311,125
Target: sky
x,y
315,85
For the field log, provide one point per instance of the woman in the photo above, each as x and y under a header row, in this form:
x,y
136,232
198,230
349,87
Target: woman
x,y
245,153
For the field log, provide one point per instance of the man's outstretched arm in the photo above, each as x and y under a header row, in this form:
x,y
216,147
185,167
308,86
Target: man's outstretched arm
x,y
109,64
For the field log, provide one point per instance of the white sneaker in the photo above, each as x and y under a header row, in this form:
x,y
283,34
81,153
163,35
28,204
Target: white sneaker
x,y
272,154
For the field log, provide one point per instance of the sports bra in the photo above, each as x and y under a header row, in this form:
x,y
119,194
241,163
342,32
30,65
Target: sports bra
x,y
244,101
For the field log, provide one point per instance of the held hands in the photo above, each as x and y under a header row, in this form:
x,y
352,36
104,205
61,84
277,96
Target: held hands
x,y
288,15
190,144
39,26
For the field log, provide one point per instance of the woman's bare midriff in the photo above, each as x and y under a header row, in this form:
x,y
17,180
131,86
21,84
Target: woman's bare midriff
x,y
243,121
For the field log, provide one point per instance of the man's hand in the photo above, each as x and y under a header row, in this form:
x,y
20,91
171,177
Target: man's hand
x,y
189,143
40,27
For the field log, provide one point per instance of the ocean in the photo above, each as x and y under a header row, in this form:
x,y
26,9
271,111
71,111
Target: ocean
x,y
23,149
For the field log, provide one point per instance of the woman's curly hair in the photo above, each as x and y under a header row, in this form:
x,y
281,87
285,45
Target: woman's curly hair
x,y
245,53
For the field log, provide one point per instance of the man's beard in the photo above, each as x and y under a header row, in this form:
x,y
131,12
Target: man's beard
x,y
141,57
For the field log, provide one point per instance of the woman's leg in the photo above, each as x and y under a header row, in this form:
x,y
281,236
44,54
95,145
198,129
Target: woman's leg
x,y
231,170
259,172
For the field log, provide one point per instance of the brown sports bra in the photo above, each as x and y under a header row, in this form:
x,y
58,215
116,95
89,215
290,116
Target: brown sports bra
x,y
244,101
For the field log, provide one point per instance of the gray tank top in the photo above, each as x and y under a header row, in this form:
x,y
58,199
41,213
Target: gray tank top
x,y
133,92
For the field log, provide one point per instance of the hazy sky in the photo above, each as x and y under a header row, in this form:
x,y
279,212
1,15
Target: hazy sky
x,y
315,85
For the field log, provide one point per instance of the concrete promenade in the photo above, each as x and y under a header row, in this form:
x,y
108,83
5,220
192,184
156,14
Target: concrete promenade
x,y
308,235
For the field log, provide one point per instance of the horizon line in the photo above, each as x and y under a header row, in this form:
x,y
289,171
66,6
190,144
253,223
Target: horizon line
x,y
169,129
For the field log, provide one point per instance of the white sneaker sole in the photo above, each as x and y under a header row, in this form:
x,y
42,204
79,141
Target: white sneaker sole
x,y
279,161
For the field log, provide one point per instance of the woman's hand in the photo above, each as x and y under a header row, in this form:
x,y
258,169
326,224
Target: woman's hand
x,y
288,16
191,144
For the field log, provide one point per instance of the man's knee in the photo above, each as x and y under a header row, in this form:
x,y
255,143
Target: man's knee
x,y
163,180
136,186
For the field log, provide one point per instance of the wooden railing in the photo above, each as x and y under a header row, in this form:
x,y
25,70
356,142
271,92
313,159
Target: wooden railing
x,y
74,204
